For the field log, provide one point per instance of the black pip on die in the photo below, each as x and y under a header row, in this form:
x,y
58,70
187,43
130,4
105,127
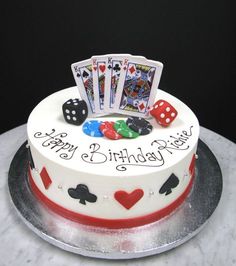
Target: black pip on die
x,y
75,111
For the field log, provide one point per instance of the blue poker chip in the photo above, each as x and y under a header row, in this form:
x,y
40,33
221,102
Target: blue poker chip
x,y
91,128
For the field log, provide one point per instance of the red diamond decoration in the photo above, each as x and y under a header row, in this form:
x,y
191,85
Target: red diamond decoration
x,y
192,166
45,178
132,69
141,106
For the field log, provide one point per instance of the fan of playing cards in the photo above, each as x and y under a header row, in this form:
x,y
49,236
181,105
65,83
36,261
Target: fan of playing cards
x,y
118,83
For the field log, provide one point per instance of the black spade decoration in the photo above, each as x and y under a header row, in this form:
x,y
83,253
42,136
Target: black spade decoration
x,y
30,158
82,193
170,183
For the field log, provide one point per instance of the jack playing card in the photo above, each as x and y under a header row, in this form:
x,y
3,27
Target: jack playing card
x,y
83,76
138,84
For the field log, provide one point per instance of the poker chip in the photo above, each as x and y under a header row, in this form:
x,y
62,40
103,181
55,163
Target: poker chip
x,y
122,128
139,125
91,128
108,130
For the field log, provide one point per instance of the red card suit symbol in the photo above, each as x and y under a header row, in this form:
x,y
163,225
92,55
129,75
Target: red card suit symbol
x,y
45,178
132,69
128,200
95,68
192,166
102,68
141,106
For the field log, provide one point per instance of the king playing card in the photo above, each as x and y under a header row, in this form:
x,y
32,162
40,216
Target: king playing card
x,y
83,76
99,66
138,84
114,64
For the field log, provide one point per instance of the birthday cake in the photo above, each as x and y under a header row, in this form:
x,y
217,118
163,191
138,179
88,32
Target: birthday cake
x,y
113,171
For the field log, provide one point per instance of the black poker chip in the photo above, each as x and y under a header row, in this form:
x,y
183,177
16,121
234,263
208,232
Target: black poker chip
x,y
139,125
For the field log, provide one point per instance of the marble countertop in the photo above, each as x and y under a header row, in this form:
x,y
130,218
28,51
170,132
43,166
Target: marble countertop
x,y
214,245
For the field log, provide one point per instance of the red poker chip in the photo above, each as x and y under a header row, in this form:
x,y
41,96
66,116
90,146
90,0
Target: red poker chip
x,y
108,131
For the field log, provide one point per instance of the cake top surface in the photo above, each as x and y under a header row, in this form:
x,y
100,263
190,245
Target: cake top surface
x,y
66,144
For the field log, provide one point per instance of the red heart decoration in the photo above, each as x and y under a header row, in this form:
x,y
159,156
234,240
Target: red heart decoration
x,y
95,68
128,199
102,68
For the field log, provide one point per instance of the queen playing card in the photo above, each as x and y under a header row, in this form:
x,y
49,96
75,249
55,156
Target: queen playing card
x,y
137,87
83,76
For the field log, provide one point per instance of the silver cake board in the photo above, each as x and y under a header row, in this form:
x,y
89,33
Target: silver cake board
x,y
165,234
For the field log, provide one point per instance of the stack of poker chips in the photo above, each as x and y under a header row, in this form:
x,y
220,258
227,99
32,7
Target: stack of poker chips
x,y
131,128
75,112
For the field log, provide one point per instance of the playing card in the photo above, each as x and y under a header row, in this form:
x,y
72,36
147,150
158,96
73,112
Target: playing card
x,y
114,64
99,66
136,91
83,76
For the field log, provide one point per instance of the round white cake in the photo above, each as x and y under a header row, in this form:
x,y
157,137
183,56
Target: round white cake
x,y
117,184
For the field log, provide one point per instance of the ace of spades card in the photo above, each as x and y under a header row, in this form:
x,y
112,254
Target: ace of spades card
x,y
114,65
99,67
83,75
138,84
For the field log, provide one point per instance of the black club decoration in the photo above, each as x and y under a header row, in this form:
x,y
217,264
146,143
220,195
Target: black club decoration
x,y
82,193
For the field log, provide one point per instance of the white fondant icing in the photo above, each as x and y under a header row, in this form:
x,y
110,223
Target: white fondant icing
x,y
106,166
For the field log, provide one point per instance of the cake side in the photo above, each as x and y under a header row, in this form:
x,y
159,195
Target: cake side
x,y
122,179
